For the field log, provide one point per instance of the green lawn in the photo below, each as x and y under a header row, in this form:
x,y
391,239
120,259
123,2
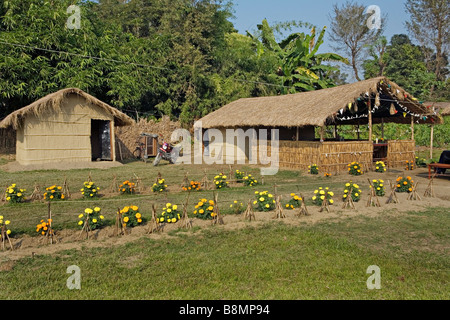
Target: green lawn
x,y
325,260
275,261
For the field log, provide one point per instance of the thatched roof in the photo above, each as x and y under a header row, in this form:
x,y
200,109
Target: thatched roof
x,y
52,102
324,107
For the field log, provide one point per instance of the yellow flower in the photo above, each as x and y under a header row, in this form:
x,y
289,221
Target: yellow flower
x,y
7,222
175,207
102,217
314,198
8,198
97,209
8,231
169,210
331,201
267,205
201,211
80,223
261,199
94,220
126,219
125,209
80,216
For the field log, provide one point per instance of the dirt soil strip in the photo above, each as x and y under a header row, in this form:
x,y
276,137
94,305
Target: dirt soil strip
x,y
28,246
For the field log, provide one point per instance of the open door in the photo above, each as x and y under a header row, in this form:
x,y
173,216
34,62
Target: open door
x,y
101,140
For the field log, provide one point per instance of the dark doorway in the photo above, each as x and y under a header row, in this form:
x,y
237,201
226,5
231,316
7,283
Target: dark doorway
x,y
101,140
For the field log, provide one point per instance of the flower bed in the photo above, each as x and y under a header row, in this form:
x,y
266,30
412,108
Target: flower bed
x,y
127,187
159,186
131,216
169,214
237,207
380,166
378,185
404,184
250,181
264,201
313,169
352,190
354,168
89,190
220,181
54,193
4,224
93,216
193,186
204,209
294,202
321,195
14,194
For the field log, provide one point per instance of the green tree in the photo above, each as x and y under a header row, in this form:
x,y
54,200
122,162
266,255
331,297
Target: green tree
x,y
301,67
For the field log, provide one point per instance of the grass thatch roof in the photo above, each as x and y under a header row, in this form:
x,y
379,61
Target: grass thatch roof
x,y
323,107
52,102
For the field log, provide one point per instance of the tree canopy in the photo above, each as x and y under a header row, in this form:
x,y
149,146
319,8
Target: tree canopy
x,y
181,58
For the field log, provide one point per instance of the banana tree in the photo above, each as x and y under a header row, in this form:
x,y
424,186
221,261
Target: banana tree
x,y
301,67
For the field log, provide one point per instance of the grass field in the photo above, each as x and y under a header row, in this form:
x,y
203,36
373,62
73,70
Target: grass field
x,y
267,260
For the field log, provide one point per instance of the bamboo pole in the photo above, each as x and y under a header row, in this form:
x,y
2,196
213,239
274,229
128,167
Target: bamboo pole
x,y
412,128
369,106
431,141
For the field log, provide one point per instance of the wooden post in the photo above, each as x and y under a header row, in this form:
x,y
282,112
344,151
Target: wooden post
x,y
370,118
322,133
382,128
297,135
412,128
431,141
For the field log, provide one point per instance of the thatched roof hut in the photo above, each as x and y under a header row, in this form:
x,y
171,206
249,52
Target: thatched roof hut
x,y
344,104
66,126
296,116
